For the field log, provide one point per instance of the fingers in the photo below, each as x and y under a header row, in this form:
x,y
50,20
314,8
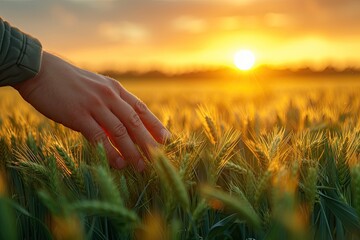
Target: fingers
x,y
120,137
95,134
136,129
152,123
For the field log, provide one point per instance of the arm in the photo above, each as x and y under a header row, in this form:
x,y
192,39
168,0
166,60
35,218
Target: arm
x,y
97,106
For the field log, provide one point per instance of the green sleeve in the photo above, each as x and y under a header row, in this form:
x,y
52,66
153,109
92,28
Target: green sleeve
x,y
20,55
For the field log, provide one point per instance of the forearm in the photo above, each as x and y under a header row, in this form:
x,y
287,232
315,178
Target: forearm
x,y
20,55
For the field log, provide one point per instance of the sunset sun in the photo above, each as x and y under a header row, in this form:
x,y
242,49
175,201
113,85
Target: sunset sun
x,y
244,59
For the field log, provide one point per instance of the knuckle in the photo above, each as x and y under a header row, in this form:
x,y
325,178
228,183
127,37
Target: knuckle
x,y
106,90
120,131
120,90
99,137
115,84
156,124
140,107
135,119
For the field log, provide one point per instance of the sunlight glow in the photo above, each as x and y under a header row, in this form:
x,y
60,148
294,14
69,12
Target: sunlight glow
x,y
244,59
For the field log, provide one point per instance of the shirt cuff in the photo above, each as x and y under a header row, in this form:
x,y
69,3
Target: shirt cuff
x,y
22,58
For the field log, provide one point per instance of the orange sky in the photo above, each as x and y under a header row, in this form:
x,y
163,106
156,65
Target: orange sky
x,y
185,34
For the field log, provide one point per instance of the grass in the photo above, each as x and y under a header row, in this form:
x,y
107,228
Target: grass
x,y
271,165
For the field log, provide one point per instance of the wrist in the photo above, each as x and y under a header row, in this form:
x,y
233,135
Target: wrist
x,y
26,86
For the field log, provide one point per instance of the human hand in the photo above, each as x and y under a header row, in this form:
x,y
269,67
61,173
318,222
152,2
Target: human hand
x,y
98,107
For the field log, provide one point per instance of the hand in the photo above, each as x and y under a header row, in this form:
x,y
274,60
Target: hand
x,y
98,107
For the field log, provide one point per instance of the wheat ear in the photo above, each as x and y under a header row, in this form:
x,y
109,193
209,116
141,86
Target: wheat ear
x,y
170,176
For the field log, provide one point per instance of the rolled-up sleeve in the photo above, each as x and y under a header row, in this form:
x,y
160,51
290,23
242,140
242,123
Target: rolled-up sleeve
x,y
20,55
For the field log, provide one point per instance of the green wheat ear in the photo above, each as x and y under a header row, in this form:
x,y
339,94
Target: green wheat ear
x,y
340,149
108,189
200,210
238,205
170,177
235,168
101,154
310,187
71,168
125,194
101,208
265,181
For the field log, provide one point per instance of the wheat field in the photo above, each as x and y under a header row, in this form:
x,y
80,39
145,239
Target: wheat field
x,y
246,161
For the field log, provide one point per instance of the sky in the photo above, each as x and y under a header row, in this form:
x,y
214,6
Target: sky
x,y
178,35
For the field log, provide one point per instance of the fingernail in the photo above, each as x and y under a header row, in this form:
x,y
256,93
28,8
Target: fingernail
x,y
120,163
166,135
140,165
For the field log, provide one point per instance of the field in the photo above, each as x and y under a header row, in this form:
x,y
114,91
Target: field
x,y
248,159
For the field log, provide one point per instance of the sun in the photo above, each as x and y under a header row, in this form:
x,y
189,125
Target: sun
x,y
244,59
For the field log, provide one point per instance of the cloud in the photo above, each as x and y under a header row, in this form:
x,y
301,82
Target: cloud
x,y
278,20
189,24
123,31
